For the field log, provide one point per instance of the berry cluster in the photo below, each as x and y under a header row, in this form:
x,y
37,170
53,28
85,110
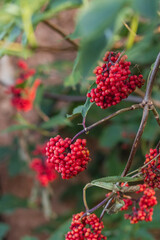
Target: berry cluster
x,y
23,94
114,81
151,171
87,228
45,171
144,210
68,158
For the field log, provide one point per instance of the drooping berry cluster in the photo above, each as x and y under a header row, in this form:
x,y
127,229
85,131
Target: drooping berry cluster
x,y
114,81
68,158
87,228
142,208
24,93
45,171
151,171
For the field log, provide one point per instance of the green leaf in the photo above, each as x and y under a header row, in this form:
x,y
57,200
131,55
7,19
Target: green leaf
x,y
88,104
115,208
106,185
57,120
115,179
77,110
15,128
90,53
60,233
4,228
29,238
10,202
147,8
95,17
57,6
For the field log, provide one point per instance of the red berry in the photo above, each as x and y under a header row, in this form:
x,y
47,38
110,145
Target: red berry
x,y
87,228
151,171
114,82
68,158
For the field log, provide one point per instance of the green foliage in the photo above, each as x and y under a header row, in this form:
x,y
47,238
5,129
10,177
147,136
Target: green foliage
x,y
29,238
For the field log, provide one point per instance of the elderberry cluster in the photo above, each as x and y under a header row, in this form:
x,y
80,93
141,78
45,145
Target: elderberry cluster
x,y
142,209
68,158
114,81
45,171
87,228
151,171
23,94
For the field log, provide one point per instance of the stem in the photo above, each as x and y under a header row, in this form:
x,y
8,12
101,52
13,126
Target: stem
x,y
156,115
152,79
64,98
87,129
97,206
61,32
104,210
136,140
84,196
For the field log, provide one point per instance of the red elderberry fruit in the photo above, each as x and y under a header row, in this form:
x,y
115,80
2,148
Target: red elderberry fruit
x,y
45,171
87,228
142,208
151,171
68,158
114,81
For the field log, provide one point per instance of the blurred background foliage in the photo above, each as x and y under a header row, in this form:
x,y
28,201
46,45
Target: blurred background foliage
x,y
130,25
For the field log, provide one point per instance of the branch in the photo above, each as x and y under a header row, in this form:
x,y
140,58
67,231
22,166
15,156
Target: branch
x,y
64,98
137,140
152,79
61,32
87,129
52,49
156,115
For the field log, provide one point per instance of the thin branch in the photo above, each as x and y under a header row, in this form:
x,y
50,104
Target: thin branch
x,y
136,140
87,129
53,49
61,32
152,79
142,94
105,208
64,98
156,114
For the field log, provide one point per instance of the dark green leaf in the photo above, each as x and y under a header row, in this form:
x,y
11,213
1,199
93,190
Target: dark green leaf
x,y
147,8
88,104
106,185
77,110
115,179
95,17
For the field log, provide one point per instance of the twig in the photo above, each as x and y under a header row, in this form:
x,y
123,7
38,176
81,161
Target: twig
x,y
61,32
147,106
87,129
156,115
152,79
64,98
104,209
52,49
136,140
